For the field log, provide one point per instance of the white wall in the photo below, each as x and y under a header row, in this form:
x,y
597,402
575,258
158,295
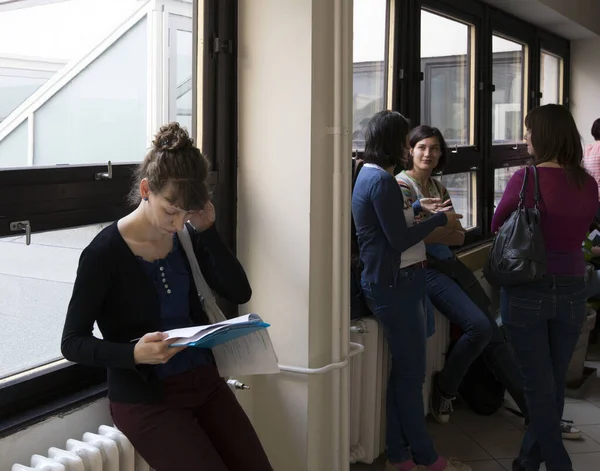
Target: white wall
x,y
585,84
55,431
295,94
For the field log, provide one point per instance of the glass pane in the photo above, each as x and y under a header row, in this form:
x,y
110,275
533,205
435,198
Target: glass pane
x,y
183,83
446,87
501,178
35,288
550,77
369,65
101,114
508,99
462,188
13,148
15,89
43,41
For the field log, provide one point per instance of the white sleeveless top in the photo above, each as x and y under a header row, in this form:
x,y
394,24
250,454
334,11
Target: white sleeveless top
x,y
416,253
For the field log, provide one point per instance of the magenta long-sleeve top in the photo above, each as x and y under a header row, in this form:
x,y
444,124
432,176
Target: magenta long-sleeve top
x,y
566,213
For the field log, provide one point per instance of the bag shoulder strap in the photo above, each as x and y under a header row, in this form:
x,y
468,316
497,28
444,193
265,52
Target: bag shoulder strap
x,y
523,188
536,186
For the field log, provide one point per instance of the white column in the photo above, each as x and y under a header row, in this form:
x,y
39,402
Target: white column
x,y
295,95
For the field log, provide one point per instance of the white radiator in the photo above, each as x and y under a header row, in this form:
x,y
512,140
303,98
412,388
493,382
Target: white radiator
x,y
368,382
107,450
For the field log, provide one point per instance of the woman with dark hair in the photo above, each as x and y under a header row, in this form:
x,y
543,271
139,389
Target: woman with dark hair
x,y
134,279
591,158
428,153
393,281
543,319
454,290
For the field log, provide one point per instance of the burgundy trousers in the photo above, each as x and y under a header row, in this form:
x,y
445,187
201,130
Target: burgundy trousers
x,y
199,426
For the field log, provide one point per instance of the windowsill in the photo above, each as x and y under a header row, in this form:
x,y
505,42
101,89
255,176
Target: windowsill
x,y
60,405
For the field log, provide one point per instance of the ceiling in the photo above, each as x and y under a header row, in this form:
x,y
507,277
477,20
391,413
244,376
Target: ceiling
x,y
540,14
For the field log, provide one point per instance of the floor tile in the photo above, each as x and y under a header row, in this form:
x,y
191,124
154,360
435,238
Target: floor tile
x,y
460,446
436,429
586,445
492,465
507,464
501,444
472,423
582,413
592,431
586,461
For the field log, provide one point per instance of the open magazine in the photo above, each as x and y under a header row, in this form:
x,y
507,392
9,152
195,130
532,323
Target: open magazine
x,y
241,346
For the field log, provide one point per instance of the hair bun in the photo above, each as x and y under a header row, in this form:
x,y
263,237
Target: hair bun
x,y
172,137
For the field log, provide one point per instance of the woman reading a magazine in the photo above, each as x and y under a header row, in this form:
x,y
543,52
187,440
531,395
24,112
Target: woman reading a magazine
x,y
135,281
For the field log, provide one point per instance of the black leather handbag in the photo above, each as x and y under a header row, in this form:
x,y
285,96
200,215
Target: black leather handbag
x,y
518,253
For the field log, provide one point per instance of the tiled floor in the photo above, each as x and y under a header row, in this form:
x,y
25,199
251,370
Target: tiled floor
x,y
490,443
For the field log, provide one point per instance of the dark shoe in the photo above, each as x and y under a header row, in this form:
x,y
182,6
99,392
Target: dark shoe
x,y
568,431
516,465
440,405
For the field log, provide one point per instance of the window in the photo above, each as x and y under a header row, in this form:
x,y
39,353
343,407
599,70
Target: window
x,y
508,97
463,191
551,79
39,278
83,82
86,84
180,74
501,179
447,88
369,65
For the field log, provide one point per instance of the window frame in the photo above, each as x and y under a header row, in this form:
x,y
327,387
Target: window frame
x,y
64,197
559,47
471,156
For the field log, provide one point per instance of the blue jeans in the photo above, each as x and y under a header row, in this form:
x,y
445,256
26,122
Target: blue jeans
x,y
593,287
543,321
400,310
453,303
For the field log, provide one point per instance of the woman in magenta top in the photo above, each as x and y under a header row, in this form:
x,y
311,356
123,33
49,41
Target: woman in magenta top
x,y
591,156
543,320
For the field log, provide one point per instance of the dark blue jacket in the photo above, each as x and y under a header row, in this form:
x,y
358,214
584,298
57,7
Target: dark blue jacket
x,y
381,229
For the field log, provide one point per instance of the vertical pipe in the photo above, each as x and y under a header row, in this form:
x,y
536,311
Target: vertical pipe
x,y
342,92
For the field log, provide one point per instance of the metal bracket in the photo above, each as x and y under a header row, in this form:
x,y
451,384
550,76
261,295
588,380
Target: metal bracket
x,y
18,226
105,175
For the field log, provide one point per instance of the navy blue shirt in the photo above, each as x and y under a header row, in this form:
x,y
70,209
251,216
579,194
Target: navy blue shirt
x,y
171,279
381,229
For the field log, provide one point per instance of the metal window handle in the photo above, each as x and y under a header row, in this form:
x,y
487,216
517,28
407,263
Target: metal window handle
x,y
22,226
455,150
105,175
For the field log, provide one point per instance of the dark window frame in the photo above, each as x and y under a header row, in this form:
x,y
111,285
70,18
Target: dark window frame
x,y
64,197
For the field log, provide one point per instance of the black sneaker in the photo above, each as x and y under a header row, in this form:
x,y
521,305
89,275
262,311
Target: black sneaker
x,y
567,430
516,465
440,405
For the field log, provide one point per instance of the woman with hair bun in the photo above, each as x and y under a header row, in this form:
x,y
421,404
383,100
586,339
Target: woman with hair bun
x,y
135,281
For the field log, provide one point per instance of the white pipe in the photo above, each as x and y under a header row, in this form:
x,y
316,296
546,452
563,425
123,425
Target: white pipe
x,y
355,349
343,80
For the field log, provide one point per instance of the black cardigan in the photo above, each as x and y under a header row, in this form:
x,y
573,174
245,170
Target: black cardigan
x,y
112,289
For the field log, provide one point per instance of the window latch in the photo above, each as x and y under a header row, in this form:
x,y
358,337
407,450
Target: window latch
x,y
25,226
219,45
105,175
